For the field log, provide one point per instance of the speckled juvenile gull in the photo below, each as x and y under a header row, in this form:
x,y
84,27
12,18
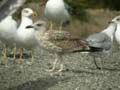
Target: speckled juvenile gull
x,y
58,42
57,11
117,33
101,43
8,7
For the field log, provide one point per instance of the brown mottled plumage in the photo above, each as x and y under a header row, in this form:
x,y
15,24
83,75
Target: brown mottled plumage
x,y
61,41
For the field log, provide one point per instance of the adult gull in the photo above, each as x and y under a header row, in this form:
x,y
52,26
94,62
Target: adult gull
x,y
101,43
8,33
25,34
57,11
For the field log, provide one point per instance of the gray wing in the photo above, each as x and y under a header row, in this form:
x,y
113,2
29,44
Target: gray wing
x,y
8,7
99,40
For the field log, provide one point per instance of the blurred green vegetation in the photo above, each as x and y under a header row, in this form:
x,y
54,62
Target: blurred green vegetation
x,y
111,4
79,6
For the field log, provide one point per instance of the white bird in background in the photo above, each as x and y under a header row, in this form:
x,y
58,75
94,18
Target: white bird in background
x,y
101,43
7,23
25,37
57,11
8,27
117,33
8,7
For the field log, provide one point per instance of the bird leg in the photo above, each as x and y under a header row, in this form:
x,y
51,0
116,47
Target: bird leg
x,y
5,54
101,63
5,51
21,55
96,63
59,72
32,56
54,64
60,27
14,51
51,25
61,68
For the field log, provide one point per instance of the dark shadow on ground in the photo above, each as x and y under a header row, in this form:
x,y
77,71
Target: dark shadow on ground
x,y
111,69
25,56
40,84
85,71
107,69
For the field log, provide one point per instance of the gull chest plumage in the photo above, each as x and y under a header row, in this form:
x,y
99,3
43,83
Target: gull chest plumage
x,y
117,33
27,39
110,30
25,22
8,27
22,32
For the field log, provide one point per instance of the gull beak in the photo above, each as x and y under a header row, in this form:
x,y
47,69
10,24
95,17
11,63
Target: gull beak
x,y
30,26
110,22
35,14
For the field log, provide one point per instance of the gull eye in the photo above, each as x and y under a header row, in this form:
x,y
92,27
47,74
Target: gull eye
x,y
26,11
39,24
118,19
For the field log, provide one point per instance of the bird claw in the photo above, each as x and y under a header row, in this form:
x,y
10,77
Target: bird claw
x,y
50,70
29,63
4,62
59,73
56,74
20,61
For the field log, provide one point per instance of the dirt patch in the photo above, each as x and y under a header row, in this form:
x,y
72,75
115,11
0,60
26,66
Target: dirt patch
x,y
80,73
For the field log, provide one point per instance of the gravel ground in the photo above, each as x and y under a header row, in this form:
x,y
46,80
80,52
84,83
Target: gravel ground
x,y
80,73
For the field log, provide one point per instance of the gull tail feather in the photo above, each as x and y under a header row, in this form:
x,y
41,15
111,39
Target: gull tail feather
x,y
88,49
